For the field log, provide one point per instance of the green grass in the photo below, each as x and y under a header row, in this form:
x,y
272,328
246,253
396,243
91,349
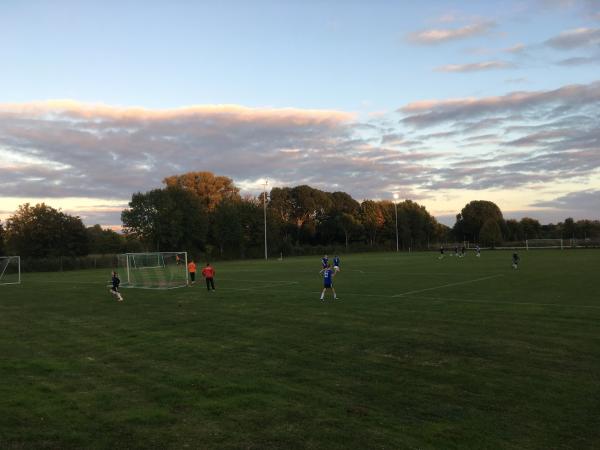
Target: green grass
x,y
418,353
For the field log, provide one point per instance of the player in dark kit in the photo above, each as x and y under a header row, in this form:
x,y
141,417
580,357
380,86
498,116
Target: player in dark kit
x,y
324,261
441,252
515,260
328,274
114,290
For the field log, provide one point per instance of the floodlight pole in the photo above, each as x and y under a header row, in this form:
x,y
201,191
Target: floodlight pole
x,y
265,216
396,210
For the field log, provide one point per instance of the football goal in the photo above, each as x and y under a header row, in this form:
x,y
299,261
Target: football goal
x,y
531,244
159,270
10,269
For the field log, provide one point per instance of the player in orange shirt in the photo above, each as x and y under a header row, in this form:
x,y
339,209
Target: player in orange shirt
x,y
208,273
192,271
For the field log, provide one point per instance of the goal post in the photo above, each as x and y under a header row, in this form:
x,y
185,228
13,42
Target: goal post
x,y
10,270
156,270
532,244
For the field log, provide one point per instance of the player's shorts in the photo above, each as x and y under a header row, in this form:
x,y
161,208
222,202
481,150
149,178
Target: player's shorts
x,y
193,276
328,285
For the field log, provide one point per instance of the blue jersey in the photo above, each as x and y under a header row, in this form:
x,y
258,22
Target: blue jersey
x,y
324,260
115,282
328,277
336,261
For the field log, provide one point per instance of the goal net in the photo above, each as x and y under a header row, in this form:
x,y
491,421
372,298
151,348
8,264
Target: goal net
x,y
531,244
10,269
159,270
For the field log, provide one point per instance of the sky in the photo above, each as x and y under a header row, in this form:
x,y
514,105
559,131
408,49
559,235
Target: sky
x,y
439,102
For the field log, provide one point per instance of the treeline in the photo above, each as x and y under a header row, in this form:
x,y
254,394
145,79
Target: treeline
x,y
482,222
205,215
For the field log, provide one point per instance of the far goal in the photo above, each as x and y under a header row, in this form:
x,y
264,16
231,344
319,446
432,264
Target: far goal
x,y
10,269
159,270
531,244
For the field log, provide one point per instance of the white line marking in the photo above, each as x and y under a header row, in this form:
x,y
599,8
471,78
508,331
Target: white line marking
x,y
448,285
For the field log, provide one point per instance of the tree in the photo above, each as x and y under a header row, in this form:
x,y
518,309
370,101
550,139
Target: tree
x,y
2,251
490,233
473,216
531,228
169,219
42,231
226,228
514,230
209,188
105,241
372,220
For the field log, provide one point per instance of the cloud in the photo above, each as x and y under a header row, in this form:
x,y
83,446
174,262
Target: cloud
x,y
579,61
517,48
581,204
428,113
442,35
571,39
474,67
514,141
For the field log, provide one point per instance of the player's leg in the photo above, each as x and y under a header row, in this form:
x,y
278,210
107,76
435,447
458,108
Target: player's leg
x,y
212,283
334,294
323,293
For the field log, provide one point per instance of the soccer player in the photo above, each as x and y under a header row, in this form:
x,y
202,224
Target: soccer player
x,y
325,261
114,290
328,274
192,272
463,251
515,260
441,252
477,251
209,275
336,263
456,250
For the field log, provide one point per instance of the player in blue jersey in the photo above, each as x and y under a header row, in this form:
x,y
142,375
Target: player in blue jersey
x,y
324,261
336,263
328,274
477,251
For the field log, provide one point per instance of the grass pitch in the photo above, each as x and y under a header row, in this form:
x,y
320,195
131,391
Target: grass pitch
x,y
417,353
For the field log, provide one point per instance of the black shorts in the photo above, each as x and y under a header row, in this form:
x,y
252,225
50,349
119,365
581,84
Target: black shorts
x,y
193,276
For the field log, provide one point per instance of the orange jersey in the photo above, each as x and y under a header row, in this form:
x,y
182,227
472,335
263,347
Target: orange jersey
x,y
208,272
191,267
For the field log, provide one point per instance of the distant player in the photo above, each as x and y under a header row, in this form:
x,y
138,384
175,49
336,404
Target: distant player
x,y
324,261
114,290
328,274
192,271
209,275
456,250
336,263
441,252
463,251
477,251
515,260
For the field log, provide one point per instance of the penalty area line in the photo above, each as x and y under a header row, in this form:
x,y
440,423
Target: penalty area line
x,y
447,285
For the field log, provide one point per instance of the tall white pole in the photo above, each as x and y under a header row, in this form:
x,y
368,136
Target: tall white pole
x,y
396,209
265,216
